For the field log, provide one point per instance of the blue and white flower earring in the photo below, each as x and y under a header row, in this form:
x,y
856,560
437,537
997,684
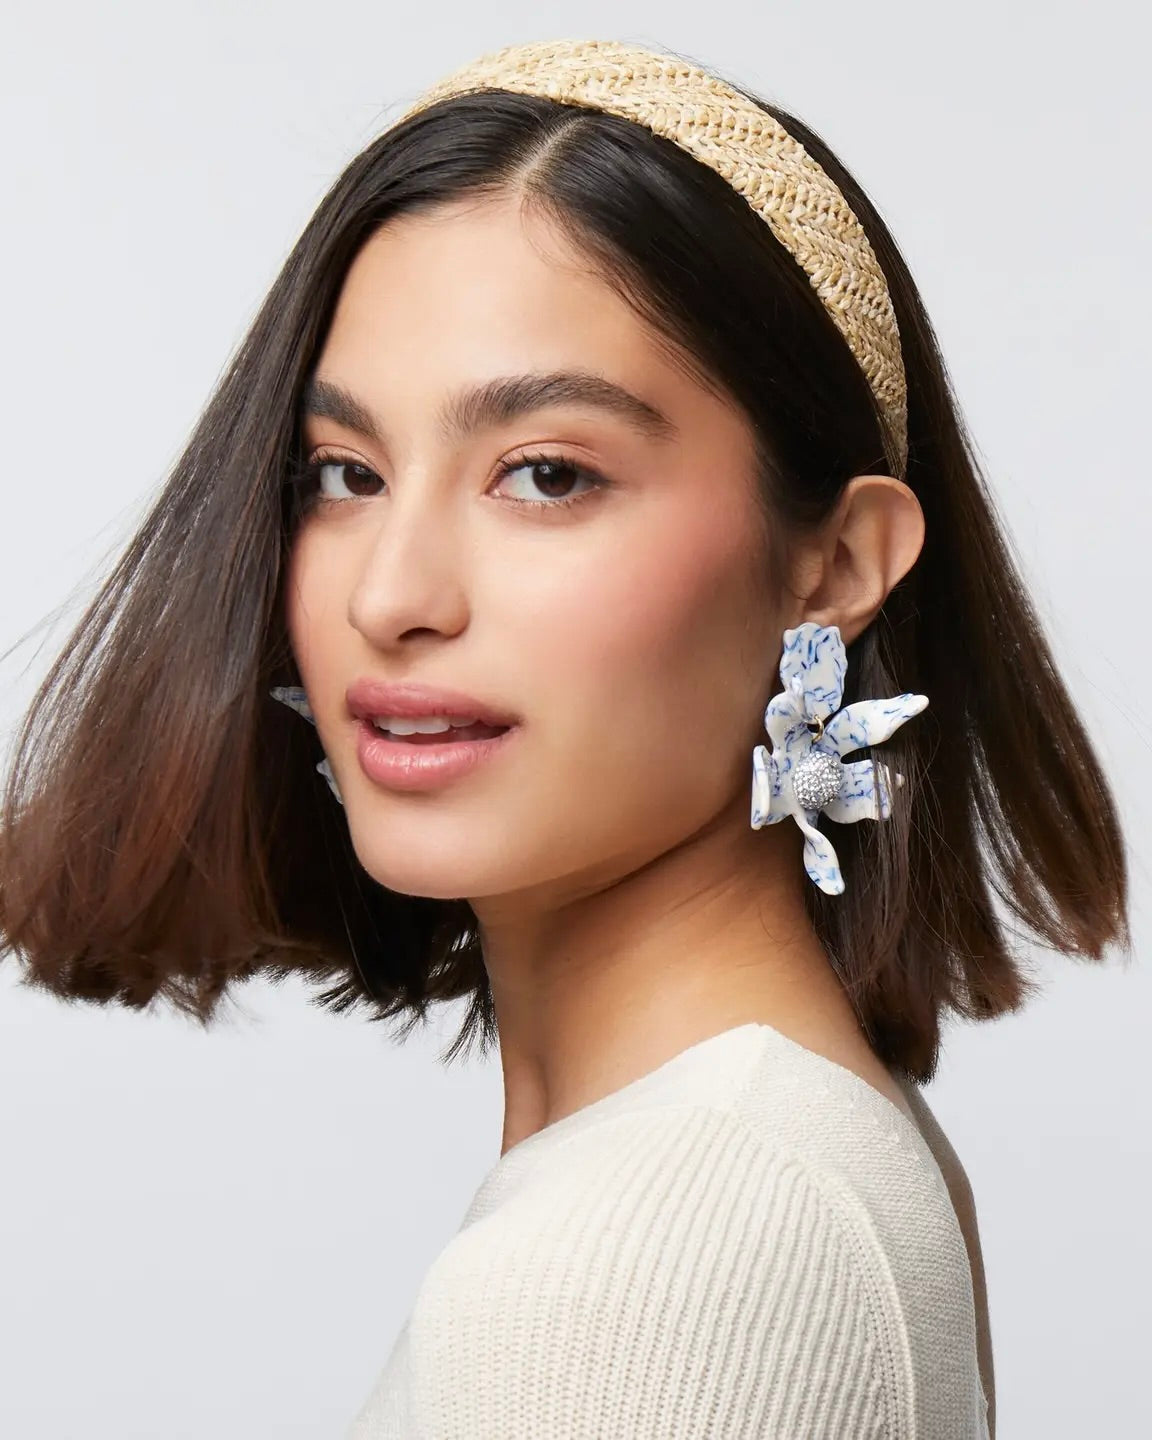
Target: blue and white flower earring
x,y
294,697
803,775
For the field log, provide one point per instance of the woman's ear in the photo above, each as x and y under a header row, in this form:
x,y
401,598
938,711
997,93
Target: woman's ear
x,y
868,544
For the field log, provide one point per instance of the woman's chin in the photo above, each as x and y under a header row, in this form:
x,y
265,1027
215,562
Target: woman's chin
x,y
441,872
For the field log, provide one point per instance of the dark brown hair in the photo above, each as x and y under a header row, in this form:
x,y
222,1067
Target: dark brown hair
x,y
164,832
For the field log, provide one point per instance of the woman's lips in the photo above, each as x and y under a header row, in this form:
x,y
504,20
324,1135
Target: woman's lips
x,y
423,762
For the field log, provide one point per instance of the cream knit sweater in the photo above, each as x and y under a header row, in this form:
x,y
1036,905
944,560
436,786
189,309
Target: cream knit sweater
x,y
749,1241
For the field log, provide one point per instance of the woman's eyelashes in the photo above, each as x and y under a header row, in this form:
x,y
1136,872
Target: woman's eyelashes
x,y
559,468
332,479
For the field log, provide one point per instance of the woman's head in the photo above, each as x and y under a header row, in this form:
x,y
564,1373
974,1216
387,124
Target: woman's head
x,y
165,831
581,547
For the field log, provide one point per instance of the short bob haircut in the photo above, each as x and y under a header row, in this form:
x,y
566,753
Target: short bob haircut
x,y
164,831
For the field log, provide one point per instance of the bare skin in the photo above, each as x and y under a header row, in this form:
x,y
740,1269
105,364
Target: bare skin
x,y
626,907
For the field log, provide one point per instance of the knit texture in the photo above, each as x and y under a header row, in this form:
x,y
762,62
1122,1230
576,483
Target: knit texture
x,y
749,1241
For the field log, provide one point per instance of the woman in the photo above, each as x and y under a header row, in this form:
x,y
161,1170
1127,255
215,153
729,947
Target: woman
x,y
595,417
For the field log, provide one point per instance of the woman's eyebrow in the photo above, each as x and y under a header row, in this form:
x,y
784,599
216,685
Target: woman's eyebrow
x,y
496,401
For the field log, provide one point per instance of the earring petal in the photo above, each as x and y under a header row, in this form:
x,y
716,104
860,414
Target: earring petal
x,y
763,787
869,722
295,698
864,783
769,803
783,718
325,769
815,662
820,859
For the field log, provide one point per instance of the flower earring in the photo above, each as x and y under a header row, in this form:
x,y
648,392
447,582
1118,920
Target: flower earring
x,y
803,775
294,697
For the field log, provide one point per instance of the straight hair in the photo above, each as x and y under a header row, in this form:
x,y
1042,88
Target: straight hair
x,y
164,833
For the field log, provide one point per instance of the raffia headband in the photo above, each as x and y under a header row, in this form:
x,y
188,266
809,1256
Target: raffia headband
x,y
747,147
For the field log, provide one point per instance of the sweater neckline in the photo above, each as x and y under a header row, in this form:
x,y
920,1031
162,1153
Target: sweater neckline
x,y
696,1052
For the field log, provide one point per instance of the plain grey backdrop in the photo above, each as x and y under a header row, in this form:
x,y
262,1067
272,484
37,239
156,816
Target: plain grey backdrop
x,y
219,1235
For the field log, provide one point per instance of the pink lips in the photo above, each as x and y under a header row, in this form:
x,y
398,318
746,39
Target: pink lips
x,y
367,698
399,764
403,764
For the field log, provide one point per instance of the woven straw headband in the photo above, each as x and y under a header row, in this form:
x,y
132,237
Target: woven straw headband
x,y
747,147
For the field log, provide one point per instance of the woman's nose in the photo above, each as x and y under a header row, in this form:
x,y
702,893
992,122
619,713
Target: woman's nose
x,y
410,573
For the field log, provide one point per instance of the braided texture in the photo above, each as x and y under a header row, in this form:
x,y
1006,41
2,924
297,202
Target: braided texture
x,y
802,205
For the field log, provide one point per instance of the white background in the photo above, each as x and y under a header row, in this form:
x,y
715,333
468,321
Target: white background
x,y
219,1235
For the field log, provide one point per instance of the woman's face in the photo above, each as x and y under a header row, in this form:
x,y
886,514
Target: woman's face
x,y
630,631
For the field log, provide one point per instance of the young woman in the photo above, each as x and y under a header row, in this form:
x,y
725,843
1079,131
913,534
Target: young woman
x,y
591,485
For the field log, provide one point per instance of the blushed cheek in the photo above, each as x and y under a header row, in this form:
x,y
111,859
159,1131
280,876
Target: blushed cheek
x,y
649,660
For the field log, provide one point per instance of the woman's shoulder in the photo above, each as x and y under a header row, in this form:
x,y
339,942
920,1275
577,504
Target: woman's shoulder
x,y
738,1120
665,1271
751,1088
759,1240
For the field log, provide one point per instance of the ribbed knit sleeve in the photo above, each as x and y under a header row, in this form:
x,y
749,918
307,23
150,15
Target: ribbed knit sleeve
x,y
667,1274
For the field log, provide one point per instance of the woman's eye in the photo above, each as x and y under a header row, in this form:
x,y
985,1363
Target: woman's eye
x,y
551,476
358,480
